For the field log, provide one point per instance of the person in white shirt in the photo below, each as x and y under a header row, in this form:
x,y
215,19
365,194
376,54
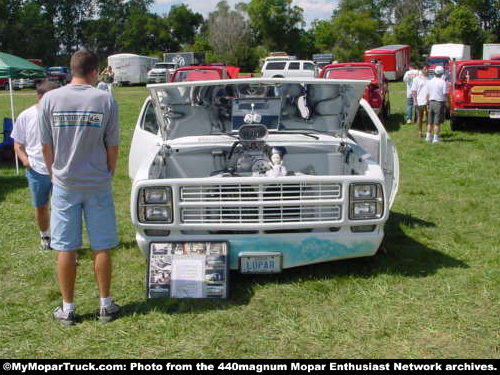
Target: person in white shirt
x,y
420,96
437,89
29,150
408,78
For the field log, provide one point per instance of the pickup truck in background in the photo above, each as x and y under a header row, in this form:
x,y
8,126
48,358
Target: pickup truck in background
x,y
376,93
204,73
161,72
59,74
475,91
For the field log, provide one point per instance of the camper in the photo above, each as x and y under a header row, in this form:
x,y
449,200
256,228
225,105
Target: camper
x,y
452,50
131,69
394,58
491,51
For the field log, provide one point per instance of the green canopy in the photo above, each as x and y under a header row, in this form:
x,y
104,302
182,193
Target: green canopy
x,y
15,67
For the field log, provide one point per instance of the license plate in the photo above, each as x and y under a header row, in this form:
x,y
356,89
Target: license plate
x,y
261,263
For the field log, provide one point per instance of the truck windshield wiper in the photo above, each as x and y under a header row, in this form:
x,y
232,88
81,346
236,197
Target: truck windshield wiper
x,y
295,132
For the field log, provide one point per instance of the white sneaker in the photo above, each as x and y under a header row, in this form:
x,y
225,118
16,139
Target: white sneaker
x,y
436,140
428,138
45,244
408,121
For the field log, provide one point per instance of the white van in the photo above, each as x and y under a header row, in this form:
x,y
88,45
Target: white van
x,y
290,68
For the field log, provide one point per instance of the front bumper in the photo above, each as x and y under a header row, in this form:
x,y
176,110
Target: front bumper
x,y
475,112
297,249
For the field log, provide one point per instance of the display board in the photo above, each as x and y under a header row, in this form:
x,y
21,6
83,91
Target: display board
x,y
188,270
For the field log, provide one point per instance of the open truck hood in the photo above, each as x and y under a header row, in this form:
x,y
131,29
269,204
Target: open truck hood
x,y
223,106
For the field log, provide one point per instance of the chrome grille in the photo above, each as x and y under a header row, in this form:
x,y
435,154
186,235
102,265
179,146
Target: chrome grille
x,y
260,204
265,192
270,214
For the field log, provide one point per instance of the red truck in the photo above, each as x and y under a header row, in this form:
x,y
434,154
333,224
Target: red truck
x,y
204,73
475,91
433,61
376,93
395,59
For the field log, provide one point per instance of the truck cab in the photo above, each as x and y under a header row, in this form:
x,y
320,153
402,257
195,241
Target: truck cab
x,y
204,73
434,61
376,93
475,91
161,72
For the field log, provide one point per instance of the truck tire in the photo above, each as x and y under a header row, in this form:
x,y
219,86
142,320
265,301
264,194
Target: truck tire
x,y
456,123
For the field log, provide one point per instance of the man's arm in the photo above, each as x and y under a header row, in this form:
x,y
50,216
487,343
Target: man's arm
x,y
48,157
21,154
112,157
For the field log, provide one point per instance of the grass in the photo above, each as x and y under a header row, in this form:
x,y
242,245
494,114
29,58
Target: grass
x,y
434,292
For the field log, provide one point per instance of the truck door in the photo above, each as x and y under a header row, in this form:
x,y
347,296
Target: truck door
x,y
373,138
146,136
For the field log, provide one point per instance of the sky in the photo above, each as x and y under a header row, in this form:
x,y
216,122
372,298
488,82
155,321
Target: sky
x,y
313,9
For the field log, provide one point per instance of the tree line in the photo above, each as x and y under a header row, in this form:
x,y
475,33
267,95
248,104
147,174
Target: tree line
x,y
52,30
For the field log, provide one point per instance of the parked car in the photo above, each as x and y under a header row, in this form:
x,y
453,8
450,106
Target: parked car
x,y
475,91
23,83
161,72
59,74
269,166
4,83
376,93
289,68
204,73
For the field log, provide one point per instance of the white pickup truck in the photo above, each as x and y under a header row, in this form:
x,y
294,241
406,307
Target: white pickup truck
x,y
271,167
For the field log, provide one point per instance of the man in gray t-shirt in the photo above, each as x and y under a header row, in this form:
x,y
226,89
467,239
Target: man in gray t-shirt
x,y
80,134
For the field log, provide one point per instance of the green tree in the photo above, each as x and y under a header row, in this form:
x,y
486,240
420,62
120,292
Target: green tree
x,y
184,25
276,23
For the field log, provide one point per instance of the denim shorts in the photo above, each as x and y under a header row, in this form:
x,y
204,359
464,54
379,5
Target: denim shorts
x,y
98,209
40,186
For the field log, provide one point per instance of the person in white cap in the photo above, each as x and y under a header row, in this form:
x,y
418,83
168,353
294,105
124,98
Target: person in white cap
x,y
437,90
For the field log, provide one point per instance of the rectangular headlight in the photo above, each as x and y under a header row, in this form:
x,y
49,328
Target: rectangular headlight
x,y
155,205
366,201
157,213
368,191
152,195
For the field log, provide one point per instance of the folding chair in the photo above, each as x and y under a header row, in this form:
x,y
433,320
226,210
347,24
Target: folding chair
x,y
7,145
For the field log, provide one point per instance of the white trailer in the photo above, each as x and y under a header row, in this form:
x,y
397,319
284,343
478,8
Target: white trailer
x,y
454,51
491,51
131,69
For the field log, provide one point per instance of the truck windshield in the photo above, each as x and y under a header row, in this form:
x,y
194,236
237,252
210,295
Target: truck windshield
x,y
438,61
350,72
480,72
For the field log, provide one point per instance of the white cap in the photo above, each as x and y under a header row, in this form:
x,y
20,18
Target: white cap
x,y
439,70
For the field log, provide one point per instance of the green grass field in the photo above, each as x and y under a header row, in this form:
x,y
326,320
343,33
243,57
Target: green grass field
x,y
434,292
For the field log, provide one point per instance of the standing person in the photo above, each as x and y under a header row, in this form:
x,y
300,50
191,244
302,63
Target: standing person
x,y
29,150
408,78
108,77
80,135
437,88
420,96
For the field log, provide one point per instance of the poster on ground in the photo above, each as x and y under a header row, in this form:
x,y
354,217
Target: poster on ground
x,y
188,270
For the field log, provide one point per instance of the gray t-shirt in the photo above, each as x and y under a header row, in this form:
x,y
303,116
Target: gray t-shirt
x,y
80,122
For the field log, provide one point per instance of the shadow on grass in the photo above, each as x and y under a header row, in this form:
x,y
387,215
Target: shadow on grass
x,y
399,255
11,183
480,125
394,122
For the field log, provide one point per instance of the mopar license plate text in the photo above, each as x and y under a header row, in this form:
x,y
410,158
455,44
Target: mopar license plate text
x,y
260,263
